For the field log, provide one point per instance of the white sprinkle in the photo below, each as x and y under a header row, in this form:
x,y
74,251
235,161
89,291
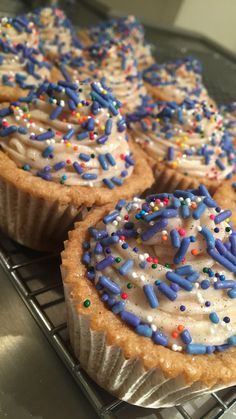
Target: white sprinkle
x,y
149,319
142,277
134,275
154,328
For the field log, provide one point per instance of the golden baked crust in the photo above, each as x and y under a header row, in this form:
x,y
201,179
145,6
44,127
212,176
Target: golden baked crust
x,y
225,195
9,94
84,38
140,179
218,368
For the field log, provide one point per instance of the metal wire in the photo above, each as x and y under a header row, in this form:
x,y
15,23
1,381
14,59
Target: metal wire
x,y
25,272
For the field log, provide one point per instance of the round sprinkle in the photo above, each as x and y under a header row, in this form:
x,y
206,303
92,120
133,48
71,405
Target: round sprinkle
x,y
87,303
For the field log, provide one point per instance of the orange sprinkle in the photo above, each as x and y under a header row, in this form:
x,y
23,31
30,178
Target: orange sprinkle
x,y
164,238
194,252
180,328
194,205
174,334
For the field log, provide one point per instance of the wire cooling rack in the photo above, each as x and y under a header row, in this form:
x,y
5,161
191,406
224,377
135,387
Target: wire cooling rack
x,y
37,279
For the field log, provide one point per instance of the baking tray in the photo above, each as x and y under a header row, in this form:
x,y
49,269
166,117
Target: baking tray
x,y
36,276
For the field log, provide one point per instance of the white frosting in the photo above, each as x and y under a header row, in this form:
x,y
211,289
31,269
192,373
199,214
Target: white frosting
x,y
168,316
24,150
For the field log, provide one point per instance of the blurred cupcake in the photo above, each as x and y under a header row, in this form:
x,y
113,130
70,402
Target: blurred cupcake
x,y
64,149
114,63
127,29
186,144
229,114
56,32
150,291
19,30
21,69
176,81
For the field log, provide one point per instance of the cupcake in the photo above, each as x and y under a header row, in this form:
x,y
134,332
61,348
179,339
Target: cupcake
x,y
127,29
21,69
56,32
150,287
64,149
186,144
112,62
229,114
19,30
176,81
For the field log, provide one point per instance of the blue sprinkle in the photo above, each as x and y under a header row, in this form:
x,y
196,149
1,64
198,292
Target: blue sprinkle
x,y
219,163
46,153
167,291
214,318
222,216
104,263
120,204
108,127
153,215
109,285
184,245
89,176
210,203
78,168
102,140
86,258
177,279
110,159
186,337
56,112
108,183
203,191
125,268
159,226
221,260
205,284
130,318
160,339
110,217
170,154
117,181
118,307
206,233
184,194
144,330
69,134
90,124
82,135
58,166
184,270
151,296
98,250
185,211
197,213
232,340
219,285
196,349
7,131
103,162
193,277
45,136
232,239
22,130
84,157
222,348
108,241
232,293
175,238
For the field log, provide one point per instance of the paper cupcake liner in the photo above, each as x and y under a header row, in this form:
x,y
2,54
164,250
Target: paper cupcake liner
x,y
34,222
130,367
127,379
168,180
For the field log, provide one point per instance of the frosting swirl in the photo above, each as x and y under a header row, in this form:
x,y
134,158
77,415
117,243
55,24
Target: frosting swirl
x,y
68,133
22,66
19,30
179,80
55,30
114,63
128,29
167,266
189,137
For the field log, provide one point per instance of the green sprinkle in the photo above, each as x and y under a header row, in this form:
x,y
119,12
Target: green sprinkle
x,y
205,270
87,303
154,266
129,285
167,265
227,229
118,260
157,282
92,155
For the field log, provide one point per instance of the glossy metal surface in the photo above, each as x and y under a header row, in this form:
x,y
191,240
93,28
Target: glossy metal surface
x,y
34,383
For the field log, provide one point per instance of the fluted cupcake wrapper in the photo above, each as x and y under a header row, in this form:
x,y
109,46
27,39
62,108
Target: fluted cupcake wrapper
x,y
127,379
33,221
168,180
